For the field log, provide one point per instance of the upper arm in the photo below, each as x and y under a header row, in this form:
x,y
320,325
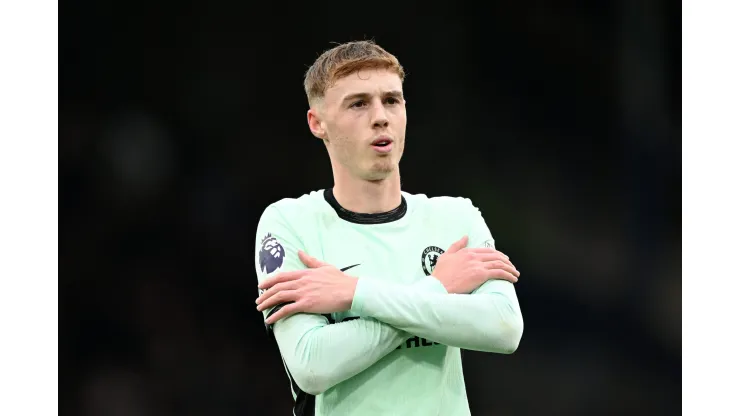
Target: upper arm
x,y
511,323
480,236
276,250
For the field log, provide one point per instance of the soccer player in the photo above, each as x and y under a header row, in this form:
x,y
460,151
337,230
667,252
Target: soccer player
x,y
371,292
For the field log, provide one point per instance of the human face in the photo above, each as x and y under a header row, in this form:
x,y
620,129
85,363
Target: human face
x,y
363,121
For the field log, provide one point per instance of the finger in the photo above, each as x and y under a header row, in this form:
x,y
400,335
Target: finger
x,y
458,245
498,264
501,274
291,285
284,312
493,256
281,277
278,298
481,250
309,261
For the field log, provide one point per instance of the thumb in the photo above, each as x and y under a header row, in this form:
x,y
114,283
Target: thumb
x,y
309,261
458,245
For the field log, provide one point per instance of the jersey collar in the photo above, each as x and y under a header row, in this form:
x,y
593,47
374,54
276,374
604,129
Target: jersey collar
x,y
358,218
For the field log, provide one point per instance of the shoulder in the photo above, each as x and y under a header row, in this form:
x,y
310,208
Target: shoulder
x,y
290,209
447,205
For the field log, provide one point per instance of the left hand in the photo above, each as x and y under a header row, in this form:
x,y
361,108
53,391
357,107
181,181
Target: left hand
x,y
322,288
462,270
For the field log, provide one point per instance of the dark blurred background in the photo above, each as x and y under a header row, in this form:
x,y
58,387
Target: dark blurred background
x,y
180,122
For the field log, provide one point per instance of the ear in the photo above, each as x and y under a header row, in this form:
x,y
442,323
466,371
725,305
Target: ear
x,y
315,124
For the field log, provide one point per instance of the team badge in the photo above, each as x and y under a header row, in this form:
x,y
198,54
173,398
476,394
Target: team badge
x,y
272,254
429,258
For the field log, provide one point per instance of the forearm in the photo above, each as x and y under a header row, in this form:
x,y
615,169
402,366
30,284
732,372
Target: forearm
x,y
489,321
320,355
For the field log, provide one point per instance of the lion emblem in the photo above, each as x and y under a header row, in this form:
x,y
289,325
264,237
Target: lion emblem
x,y
271,254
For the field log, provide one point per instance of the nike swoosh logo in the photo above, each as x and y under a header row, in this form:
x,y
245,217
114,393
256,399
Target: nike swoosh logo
x,y
348,267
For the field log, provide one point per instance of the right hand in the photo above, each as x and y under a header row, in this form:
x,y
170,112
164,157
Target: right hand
x,y
320,289
462,270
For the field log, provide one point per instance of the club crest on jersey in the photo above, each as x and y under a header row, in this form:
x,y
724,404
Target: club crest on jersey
x,y
429,258
271,254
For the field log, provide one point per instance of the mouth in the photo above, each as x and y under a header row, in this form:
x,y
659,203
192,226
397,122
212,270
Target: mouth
x,y
382,144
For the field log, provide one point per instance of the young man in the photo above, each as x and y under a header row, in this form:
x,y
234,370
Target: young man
x,y
371,292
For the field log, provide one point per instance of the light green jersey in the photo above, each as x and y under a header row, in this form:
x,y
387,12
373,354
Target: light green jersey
x,y
397,350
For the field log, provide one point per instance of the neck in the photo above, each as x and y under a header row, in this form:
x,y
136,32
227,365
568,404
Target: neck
x,y
368,197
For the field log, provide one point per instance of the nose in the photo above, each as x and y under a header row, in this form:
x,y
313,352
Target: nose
x,y
379,116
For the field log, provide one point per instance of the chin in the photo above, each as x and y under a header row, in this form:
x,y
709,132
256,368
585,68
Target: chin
x,y
379,171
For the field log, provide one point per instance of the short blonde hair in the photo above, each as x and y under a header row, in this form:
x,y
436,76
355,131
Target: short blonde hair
x,y
345,59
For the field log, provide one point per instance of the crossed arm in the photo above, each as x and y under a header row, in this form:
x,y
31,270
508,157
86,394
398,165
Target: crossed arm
x,y
320,355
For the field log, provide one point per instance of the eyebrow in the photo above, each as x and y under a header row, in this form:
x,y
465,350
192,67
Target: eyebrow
x,y
394,93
